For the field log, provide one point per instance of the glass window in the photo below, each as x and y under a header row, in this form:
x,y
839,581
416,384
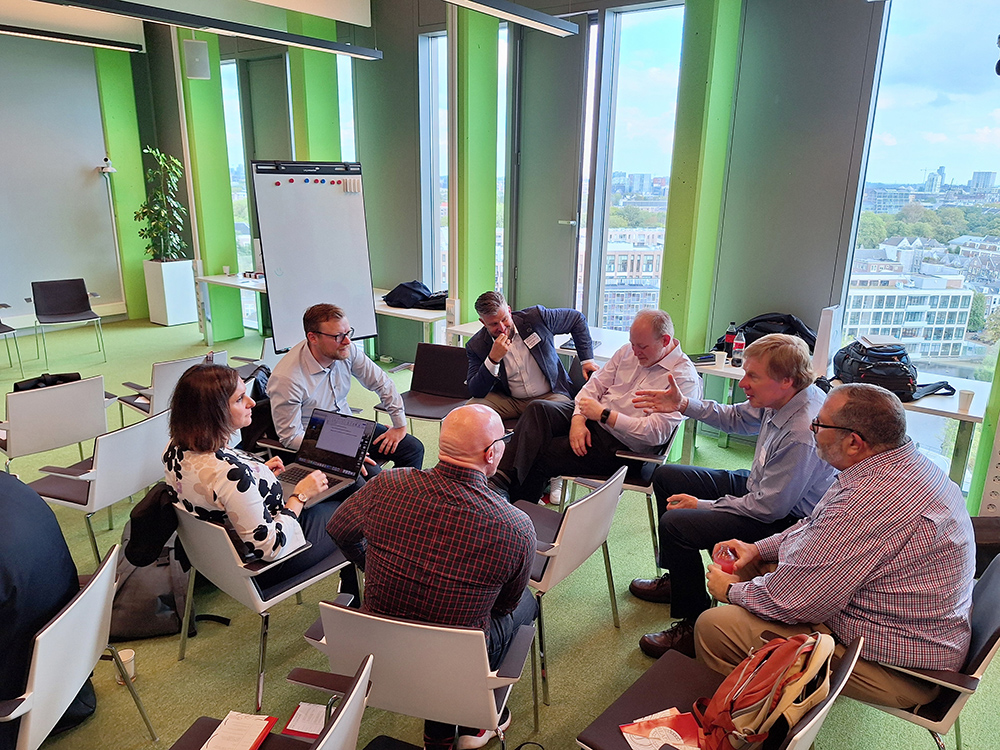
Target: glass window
x,y
647,60
345,94
434,108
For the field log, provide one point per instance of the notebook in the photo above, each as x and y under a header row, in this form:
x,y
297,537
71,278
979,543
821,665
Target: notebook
x,y
336,444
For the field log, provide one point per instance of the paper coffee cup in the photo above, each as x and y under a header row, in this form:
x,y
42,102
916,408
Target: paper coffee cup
x,y
127,656
720,358
965,400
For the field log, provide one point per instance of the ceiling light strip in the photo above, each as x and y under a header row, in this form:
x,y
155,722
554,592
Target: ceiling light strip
x,y
520,14
59,36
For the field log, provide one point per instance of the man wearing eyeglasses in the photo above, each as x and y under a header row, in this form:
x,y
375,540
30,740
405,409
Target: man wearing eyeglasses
x,y
700,507
888,554
440,546
316,374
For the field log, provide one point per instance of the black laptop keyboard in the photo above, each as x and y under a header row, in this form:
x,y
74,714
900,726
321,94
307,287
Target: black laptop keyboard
x,y
294,475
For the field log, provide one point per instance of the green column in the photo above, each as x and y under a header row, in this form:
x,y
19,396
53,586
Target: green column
x,y
984,455
121,140
213,198
476,137
315,104
704,109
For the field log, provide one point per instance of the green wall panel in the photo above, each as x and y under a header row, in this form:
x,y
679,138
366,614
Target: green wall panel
x,y
709,52
212,193
477,156
121,138
315,105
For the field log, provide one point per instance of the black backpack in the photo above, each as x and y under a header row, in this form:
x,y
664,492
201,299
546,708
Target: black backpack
x,y
767,323
887,365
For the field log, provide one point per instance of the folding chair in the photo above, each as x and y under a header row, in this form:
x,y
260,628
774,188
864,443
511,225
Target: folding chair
x,y
62,302
156,398
5,330
438,383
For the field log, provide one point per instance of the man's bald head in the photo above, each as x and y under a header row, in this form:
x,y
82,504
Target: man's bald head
x,y
466,436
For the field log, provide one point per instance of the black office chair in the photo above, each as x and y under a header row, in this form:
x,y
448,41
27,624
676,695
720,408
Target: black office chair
x,y
438,383
4,331
60,302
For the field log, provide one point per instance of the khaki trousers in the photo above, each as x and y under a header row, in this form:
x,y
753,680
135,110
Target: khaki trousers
x,y
724,635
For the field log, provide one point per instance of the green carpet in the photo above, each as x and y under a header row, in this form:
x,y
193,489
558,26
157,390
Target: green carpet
x,y
590,662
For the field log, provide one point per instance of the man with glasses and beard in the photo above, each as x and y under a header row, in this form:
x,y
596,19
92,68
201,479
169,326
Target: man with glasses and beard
x,y
888,553
316,374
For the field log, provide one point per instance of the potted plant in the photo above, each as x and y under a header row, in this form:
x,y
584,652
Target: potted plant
x,y
169,274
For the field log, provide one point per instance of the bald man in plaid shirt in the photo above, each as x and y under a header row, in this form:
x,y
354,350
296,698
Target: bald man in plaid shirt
x,y
888,553
440,546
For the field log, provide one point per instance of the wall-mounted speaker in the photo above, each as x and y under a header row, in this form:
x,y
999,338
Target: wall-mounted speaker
x,y
196,59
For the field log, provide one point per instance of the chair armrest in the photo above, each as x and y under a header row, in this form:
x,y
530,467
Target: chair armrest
x,y
11,709
592,484
512,665
957,681
244,359
651,458
69,472
328,682
314,634
546,550
138,388
259,566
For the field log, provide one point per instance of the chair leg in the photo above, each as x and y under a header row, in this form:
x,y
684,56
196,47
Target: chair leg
x,y
93,538
100,338
6,340
17,349
186,620
298,597
541,650
264,619
937,739
611,584
534,681
652,528
131,689
80,448
958,732
45,348
111,518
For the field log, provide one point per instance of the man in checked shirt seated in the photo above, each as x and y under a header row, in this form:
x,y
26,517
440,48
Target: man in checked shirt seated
x,y
440,546
888,553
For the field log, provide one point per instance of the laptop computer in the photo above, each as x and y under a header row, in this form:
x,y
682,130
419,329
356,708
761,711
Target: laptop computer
x,y
334,443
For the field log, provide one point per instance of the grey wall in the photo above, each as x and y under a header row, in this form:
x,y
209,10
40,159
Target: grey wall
x,y
802,106
54,212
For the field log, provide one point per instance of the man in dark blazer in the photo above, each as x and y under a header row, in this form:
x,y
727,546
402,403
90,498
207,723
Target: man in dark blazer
x,y
513,359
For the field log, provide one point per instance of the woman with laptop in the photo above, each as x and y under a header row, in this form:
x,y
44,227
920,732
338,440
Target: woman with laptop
x,y
216,483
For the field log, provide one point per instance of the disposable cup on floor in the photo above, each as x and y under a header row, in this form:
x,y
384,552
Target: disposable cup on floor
x,y
965,400
127,656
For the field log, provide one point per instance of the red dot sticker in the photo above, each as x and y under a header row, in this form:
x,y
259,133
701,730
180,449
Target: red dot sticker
x,y
291,179
278,183
338,182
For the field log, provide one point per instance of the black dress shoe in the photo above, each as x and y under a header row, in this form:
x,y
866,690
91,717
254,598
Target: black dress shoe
x,y
680,637
651,589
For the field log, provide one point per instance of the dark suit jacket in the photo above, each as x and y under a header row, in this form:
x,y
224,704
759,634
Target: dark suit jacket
x,y
37,578
547,324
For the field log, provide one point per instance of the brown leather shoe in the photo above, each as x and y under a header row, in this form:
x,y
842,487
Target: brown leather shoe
x,y
679,637
652,589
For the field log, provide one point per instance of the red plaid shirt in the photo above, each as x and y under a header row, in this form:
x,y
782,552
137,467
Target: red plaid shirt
x,y
436,545
888,553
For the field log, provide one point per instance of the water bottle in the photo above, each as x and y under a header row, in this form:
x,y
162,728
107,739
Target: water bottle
x,y
730,338
739,344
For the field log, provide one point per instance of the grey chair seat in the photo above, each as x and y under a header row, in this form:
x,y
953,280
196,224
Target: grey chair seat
x,y
67,317
65,488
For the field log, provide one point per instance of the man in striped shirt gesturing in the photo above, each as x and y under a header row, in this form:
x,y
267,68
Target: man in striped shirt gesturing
x,y
888,553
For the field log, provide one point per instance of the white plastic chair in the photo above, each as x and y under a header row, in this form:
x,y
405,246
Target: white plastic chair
x,y
156,398
432,672
340,732
267,357
43,419
638,478
209,548
566,541
125,462
66,651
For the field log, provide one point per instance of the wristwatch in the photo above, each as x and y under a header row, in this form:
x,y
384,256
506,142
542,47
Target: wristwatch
x,y
605,415
300,496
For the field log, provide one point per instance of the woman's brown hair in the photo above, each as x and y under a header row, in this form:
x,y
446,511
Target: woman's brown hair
x,y
199,409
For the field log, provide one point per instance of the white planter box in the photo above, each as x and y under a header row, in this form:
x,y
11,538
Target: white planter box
x,y
170,291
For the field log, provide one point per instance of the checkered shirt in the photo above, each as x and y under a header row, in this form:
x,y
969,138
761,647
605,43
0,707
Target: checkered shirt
x,y
436,545
888,553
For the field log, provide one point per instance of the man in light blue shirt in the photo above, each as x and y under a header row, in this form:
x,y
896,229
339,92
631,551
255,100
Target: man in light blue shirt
x,y
316,374
700,507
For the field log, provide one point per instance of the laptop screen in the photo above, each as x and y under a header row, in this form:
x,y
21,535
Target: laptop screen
x,y
336,443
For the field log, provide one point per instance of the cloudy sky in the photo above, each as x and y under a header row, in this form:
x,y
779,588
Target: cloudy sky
x,y
939,96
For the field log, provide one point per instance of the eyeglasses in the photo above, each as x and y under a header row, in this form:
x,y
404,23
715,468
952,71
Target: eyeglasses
x,y
502,439
815,427
338,337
